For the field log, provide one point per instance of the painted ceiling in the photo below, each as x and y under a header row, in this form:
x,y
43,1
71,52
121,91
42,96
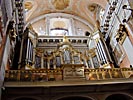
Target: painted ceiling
x,y
83,9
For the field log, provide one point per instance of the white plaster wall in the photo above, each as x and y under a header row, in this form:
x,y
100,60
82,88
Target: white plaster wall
x,y
128,47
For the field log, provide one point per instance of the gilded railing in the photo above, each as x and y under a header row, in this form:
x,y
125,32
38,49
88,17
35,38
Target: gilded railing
x,y
43,75
105,74
33,75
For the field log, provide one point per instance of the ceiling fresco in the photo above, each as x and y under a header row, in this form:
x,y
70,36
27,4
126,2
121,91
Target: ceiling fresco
x,y
83,9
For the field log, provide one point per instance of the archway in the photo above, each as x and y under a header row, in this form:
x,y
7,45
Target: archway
x,y
25,98
119,97
75,98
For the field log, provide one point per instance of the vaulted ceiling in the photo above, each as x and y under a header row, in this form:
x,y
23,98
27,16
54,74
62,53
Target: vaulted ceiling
x,y
86,10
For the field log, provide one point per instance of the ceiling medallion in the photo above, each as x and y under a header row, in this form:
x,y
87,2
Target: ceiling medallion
x,y
60,4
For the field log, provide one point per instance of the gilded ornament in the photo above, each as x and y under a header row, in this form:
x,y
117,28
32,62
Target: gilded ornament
x,y
11,75
116,74
60,4
28,5
26,76
92,7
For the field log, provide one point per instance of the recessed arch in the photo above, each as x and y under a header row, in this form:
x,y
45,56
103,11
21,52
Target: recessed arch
x,y
119,96
64,15
25,98
74,97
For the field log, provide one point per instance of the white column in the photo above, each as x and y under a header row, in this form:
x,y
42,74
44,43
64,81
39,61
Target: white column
x,y
72,28
47,26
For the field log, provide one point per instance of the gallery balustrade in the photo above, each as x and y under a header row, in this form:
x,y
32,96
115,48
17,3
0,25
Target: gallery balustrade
x,y
67,72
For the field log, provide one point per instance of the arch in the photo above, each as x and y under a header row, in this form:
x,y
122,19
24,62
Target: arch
x,y
119,96
75,98
25,98
60,15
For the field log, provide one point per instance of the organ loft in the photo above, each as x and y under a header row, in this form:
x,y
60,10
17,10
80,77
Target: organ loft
x,y
66,50
51,52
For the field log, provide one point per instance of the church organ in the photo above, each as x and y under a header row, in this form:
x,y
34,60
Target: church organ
x,y
27,50
60,54
51,53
